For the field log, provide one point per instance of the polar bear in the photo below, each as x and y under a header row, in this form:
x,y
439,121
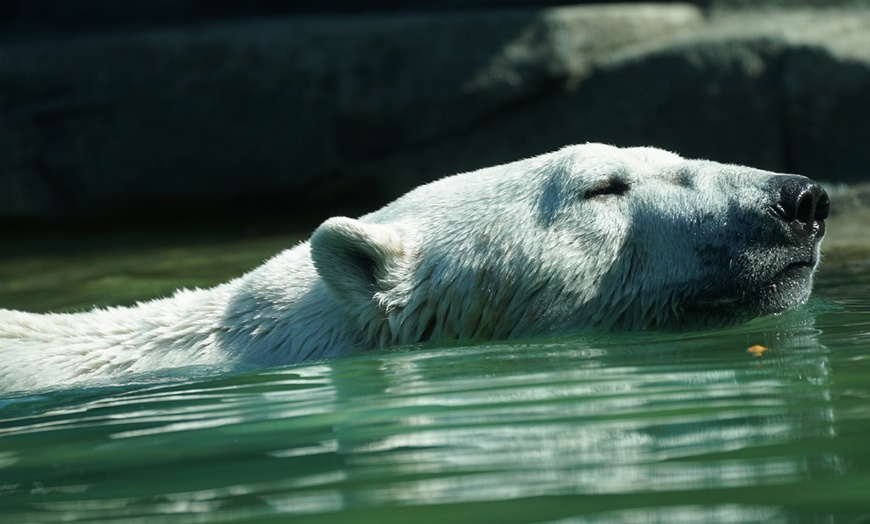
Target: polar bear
x,y
587,237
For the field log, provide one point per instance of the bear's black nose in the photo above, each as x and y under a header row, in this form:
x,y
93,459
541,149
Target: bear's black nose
x,y
803,205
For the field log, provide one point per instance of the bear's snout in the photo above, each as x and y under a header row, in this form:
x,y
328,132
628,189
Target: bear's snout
x,y
803,205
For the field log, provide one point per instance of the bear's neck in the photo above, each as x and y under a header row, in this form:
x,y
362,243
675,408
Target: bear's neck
x,y
276,314
282,313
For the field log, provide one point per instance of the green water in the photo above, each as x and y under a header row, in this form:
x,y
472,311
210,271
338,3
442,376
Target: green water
x,y
630,428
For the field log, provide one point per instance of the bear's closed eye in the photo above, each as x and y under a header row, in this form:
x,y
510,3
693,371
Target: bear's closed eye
x,y
607,187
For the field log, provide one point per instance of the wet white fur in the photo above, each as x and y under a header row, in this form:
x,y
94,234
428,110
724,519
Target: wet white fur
x,y
508,251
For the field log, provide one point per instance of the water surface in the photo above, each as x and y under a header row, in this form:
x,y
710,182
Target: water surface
x,y
634,428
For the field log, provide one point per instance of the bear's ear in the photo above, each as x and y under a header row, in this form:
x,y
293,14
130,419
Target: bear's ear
x,y
354,258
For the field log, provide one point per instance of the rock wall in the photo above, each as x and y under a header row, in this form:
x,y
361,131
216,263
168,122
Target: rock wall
x,y
311,115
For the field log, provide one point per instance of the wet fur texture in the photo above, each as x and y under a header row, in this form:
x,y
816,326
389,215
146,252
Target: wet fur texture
x,y
588,237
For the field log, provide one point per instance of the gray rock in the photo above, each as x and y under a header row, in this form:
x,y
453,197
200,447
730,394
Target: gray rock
x,y
319,115
782,90
97,123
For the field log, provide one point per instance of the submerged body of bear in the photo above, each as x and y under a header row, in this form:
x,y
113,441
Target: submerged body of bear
x,y
588,237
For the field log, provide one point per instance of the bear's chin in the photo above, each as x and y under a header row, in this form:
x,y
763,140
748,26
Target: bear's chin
x,y
736,304
789,288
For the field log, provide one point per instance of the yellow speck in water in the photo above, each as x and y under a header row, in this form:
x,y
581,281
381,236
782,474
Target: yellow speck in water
x,y
757,350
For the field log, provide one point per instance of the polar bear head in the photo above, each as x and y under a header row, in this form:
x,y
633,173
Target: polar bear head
x,y
588,237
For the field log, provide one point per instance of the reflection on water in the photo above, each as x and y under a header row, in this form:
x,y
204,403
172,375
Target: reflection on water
x,y
636,428
556,429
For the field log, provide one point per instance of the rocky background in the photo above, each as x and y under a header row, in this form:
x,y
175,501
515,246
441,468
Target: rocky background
x,y
171,110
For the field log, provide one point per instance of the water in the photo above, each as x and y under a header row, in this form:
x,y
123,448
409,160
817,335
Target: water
x,y
629,428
